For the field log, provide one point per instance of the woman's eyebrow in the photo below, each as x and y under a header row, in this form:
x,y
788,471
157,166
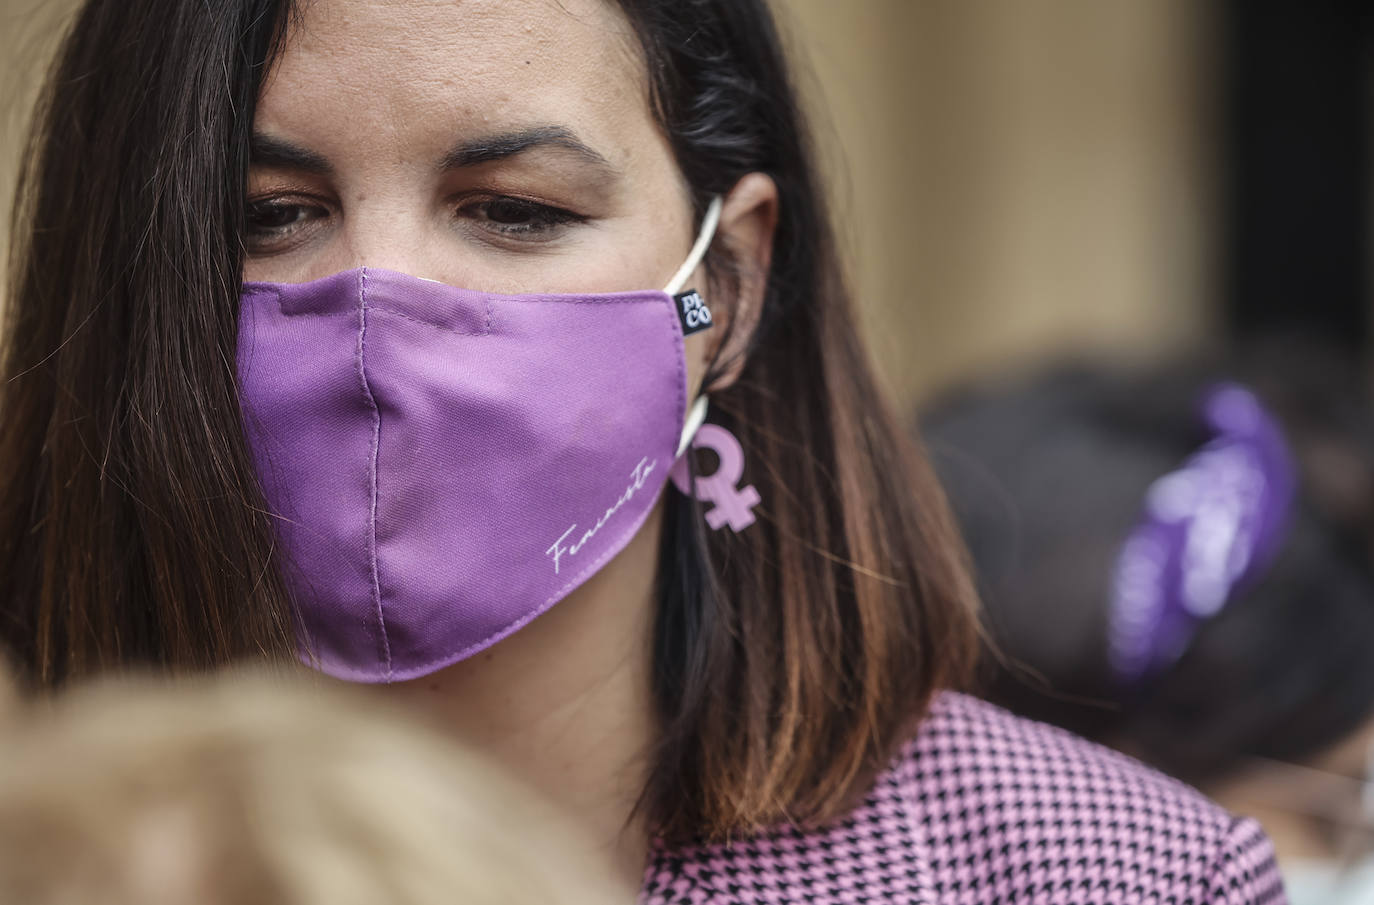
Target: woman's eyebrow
x,y
266,151
507,144
269,151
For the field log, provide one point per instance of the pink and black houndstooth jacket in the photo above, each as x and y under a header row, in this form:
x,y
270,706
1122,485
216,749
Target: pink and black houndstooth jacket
x,y
983,807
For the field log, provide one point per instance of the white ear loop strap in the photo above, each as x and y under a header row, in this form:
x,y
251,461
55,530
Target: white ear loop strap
x,y
696,415
708,232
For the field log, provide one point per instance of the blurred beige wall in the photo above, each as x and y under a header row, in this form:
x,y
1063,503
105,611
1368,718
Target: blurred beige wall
x,y
1015,178
29,30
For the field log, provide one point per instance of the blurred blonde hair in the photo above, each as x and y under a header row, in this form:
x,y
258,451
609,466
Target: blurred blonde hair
x,y
250,789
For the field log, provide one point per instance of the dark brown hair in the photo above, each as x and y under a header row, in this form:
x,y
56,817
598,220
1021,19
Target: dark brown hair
x,y
790,659
1283,670
131,527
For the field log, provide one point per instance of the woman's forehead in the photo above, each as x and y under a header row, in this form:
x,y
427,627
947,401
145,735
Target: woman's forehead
x,y
421,74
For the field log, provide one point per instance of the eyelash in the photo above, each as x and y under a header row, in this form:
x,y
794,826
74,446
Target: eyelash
x,y
542,219
269,206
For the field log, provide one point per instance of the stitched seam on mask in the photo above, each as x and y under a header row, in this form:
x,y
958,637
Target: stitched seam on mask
x,y
584,300
348,313
384,643
679,344
548,300
276,293
613,550
410,317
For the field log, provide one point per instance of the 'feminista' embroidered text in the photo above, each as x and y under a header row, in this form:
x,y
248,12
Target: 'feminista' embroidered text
x,y
638,478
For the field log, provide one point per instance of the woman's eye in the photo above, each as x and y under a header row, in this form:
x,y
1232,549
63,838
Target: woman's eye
x,y
278,225
518,218
268,217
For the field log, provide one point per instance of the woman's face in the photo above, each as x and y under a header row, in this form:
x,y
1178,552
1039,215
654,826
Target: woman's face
x,y
497,145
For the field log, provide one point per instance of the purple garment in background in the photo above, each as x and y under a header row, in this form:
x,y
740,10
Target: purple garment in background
x,y
1209,528
446,464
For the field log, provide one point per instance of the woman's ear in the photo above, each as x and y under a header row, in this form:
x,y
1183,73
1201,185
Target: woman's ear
x,y
748,218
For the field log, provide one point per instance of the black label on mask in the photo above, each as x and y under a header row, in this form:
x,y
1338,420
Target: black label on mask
x,y
692,311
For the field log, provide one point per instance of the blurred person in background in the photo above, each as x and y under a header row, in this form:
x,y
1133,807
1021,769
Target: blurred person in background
x,y
371,334
1179,562
250,790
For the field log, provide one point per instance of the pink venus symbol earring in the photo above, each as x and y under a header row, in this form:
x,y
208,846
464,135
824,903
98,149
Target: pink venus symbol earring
x,y
733,504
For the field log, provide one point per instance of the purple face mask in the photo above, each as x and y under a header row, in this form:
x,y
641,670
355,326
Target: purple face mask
x,y
445,465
